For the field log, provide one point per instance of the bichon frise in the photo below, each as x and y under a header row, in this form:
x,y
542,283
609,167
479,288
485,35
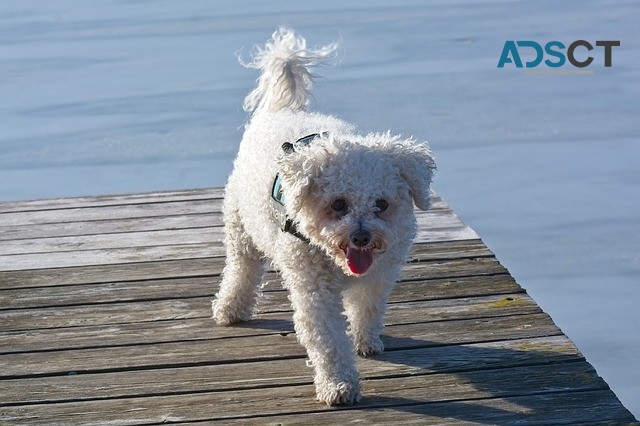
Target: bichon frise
x,y
331,208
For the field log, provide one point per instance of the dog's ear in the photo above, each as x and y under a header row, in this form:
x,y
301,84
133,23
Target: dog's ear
x,y
416,165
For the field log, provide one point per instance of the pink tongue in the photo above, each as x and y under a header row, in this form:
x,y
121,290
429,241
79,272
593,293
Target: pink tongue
x,y
359,260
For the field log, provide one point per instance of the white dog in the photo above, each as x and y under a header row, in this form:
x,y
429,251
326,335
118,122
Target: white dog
x,y
331,208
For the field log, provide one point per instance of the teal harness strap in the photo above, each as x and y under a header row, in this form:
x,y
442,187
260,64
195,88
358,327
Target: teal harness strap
x,y
277,196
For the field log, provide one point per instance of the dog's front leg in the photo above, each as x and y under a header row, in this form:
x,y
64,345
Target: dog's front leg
x,y
321,328
365,303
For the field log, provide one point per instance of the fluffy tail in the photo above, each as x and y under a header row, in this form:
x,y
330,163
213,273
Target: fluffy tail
x,y
286,79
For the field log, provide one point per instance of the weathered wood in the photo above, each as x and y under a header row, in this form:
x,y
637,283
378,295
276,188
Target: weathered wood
x,y
131,240
247,375
67,295
272,298
105,308
97,235
111,200
442,217
10,215
137,198
67,255
114,212
258,374
108,227
261,346
118,233
452,281
172,250
462,249
43,277
270,320
113,256
583,408
118,256
388,392
108,234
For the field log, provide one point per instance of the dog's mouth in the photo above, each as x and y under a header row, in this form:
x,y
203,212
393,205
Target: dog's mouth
x,y
358,260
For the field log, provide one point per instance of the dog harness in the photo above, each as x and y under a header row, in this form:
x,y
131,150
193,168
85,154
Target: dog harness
x,y
277,197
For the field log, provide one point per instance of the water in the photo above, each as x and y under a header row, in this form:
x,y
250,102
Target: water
x,y
125,96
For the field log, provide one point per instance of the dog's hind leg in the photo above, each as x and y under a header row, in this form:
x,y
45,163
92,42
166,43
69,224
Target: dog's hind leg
x,y
241,277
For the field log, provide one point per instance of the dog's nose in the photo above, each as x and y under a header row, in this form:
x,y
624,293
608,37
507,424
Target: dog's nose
x,y
361,238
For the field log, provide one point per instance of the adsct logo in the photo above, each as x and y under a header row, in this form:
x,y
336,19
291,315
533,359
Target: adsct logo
x,y
578,54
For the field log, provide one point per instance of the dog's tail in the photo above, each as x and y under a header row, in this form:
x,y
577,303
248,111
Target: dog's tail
x,y
286,78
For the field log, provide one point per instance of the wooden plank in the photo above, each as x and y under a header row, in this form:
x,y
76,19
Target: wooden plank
x,y
106,273
134,252
452,268
452,228
463,388
134,206
463,249
265,347
140,208
272,319
585,408
132,240
273,295
111,200
445,234
103,314
248,375
143,311
113,292
135,198
124,291
154,253
455,287
196,267
133,322
115,246
113,256
436,227
434,220
109,227
126,211
116,233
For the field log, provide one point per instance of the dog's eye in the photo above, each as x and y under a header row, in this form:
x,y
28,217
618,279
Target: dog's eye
x,y
382,205
339,205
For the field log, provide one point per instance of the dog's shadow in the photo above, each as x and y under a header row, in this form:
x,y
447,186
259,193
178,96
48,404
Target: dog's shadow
x,y
480,383
436,412
280,326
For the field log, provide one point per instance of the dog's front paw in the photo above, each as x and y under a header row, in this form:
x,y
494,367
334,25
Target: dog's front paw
x,y
369,347
224,314
338,393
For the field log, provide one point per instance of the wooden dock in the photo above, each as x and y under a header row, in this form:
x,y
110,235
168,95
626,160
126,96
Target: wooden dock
x,y
105,319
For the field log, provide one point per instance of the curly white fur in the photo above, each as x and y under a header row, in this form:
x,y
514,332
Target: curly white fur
x,y
339,279
286,79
